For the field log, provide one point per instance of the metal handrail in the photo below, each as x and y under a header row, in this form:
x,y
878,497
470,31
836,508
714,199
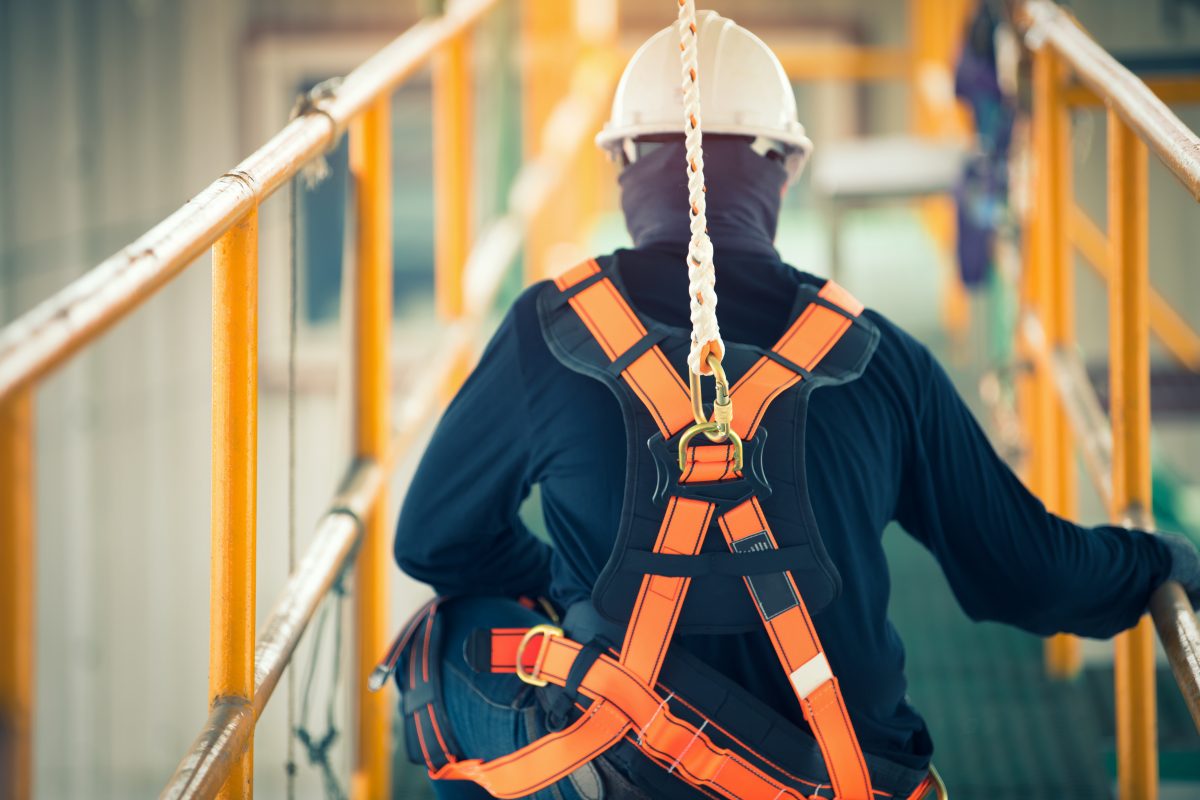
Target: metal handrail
x,y
1175,144
1062,407
52,331
227,731
1176,621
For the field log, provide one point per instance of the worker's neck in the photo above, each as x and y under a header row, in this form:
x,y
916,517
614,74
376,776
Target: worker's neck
x,y
743,198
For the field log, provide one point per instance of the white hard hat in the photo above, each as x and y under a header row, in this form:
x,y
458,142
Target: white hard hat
x,y
743,91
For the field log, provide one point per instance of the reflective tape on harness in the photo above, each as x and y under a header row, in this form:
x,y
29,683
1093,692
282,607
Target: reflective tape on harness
x,y
811,674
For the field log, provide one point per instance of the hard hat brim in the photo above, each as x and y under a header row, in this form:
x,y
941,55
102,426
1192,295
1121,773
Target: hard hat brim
x,y
611,137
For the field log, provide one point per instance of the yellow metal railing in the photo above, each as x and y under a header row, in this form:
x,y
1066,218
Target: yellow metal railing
x,y
224,216
1058,403
562,108
569,74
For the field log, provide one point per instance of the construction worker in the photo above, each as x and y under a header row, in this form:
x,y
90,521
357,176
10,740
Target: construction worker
x,y
893,442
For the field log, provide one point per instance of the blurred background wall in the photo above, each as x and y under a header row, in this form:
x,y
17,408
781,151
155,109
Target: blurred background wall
x,y
112,113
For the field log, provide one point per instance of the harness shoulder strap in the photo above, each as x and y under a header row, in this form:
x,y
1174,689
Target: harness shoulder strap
x,y
616,328
808,340
618,331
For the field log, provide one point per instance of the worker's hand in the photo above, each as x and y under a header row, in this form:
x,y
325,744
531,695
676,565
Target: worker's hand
x,y
1185,565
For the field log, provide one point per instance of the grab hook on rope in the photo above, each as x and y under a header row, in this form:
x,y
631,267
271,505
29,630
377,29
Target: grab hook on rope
x,y
718,428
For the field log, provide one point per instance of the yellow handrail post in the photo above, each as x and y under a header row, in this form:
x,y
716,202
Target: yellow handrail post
x,y
17,594
452,181
935,30
371,162
234,477
1056,452
1038,286
1173,331
596,28
547,34
452,169
1129,408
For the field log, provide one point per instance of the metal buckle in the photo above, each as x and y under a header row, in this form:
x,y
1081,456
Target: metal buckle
x,y
545,631
710,429
939,786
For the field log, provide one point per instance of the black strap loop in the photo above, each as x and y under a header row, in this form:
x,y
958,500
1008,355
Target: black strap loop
x,y
670,565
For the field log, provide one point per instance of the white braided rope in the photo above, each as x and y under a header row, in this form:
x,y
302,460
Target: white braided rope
x,y
701,272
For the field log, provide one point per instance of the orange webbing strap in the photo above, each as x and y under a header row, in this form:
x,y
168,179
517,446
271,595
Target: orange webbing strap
x,y
651,627
617,329
706,462
811,336
799,650
679,746
546,760
656,610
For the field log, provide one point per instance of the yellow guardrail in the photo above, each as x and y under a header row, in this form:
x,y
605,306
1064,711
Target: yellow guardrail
x,y
562,108
1058,403
224,216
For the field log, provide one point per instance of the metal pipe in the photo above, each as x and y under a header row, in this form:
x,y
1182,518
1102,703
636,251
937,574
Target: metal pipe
x,y
336,537
226,735
1055,302
813,61
452,167
371,161
1172,612
18,594
204,769
1172,330
234,476
547,38
383,72
215,754
1129,393
1088,421
51,332
1171,89
1176,145
1179,631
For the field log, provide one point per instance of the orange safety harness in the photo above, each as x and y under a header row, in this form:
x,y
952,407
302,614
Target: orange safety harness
x,y
619,693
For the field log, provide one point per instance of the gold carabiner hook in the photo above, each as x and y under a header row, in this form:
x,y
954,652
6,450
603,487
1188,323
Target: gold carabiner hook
x,y
722,404
718,429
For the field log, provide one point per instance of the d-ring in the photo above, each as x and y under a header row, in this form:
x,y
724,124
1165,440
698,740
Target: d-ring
x,y
547,631
708,428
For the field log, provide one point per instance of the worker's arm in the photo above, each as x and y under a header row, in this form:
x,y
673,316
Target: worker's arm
x,y
458,529
1006,557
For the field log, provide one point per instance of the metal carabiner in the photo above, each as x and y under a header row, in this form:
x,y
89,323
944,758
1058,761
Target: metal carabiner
x,y
718,429
722,404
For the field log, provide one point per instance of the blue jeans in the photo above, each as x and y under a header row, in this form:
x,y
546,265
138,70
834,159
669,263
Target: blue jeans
x,y
490,715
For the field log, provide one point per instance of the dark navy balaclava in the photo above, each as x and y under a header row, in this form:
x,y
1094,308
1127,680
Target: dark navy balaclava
x,y
743,197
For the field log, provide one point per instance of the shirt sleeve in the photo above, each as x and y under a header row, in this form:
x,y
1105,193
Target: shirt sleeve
x,y
1006,557
459,529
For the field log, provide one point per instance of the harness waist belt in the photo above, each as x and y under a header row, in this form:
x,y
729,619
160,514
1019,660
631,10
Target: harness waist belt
x,y
710,702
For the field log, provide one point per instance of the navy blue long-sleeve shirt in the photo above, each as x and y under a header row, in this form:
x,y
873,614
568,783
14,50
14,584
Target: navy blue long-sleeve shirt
x,y
897,444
